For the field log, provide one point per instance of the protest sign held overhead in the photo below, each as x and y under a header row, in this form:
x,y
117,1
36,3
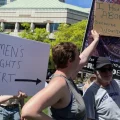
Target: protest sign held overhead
x,y
109,45
107,18
23,65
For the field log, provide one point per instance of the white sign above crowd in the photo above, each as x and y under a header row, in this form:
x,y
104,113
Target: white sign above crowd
x,y
23,65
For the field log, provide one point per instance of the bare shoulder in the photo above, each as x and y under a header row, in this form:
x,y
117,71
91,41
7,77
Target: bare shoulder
x,y
58,85
49,95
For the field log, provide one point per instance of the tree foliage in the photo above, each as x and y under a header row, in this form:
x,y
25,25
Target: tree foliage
x,y
1,30
38,34
65,33
26,25
71,33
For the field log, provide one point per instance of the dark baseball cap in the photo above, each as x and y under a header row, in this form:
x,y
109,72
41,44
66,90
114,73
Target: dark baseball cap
x,y
101,61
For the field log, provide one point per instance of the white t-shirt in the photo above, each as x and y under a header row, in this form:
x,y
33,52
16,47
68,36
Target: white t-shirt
x,y
103,103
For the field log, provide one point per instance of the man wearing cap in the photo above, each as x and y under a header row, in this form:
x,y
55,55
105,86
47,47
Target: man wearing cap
x,y
102,98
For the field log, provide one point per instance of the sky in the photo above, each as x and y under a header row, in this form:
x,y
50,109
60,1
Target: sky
x,y
80,3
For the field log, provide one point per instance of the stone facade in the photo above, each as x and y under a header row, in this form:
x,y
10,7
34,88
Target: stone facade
x,y
39,16
49,18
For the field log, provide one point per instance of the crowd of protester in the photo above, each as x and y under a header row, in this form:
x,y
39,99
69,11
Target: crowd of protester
x,y
99,99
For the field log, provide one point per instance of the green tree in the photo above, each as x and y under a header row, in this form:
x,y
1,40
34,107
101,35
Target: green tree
x,y
71,33
26,25
1,30
41,35
38,34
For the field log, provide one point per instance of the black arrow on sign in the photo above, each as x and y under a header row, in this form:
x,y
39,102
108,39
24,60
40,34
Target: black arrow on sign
x,y
28,80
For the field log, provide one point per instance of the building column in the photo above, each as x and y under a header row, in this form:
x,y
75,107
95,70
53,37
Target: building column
x,y
32,26
8,1
48,27
2,26
16,27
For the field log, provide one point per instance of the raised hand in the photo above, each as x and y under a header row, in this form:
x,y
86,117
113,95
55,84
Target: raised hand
x,y
95,35
20,95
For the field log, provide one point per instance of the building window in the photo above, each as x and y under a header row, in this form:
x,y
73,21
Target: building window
x,y
53,27
40,25
10,26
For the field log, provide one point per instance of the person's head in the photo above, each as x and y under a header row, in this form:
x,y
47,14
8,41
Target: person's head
x,y
65,54
103,69
90,78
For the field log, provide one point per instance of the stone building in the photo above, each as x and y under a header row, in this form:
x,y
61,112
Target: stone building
x,y
39,13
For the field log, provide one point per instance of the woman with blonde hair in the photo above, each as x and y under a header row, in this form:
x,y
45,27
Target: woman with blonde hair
x,y
90,78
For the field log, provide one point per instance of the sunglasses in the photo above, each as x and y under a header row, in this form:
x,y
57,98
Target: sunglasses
x,y
110,69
